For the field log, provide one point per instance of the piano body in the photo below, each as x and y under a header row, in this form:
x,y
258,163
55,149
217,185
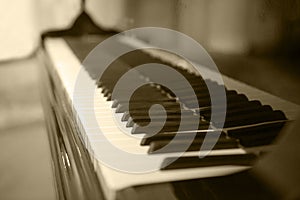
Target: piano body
x,y
253,121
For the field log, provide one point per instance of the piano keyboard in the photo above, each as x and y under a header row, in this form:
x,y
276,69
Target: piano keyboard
x,y
253,120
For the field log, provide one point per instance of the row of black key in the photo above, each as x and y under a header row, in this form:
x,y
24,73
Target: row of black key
x,y
240,112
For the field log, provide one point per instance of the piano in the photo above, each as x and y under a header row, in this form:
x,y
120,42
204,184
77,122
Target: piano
x,y
253,120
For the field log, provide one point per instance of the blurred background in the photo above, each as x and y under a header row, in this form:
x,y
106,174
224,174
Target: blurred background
x,y
254,41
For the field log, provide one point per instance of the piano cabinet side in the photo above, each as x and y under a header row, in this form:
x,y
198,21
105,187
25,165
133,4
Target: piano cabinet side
x,y
73,171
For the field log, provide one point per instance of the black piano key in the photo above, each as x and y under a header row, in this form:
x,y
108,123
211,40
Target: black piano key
x,y
173,117
207,102
104,89
106,92
116,102
145,107
229,106
260,129
188,121
181,136
144,93
252,118
258,135
178,146
247,107
143,113
209,161
180,114
241,111
168,127
109,97
197,84
200,93
205,96
156,96
160,115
